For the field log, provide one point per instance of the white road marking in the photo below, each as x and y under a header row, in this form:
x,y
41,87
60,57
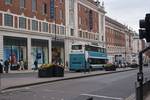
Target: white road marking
x,y
99,96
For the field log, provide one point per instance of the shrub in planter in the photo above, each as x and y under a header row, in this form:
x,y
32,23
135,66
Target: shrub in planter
x,y
110,67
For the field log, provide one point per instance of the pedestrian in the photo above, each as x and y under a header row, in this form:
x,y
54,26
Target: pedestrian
x,y
6,68
1,66
36,64
21,65
59,61
18,65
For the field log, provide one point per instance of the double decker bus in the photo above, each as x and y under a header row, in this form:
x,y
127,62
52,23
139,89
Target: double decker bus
x,y
87,57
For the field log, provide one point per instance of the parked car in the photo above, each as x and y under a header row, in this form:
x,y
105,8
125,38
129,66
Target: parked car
x,y
110,67
134,65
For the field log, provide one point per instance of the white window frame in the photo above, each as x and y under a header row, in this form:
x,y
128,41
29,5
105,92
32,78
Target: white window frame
x,y
13,19
31,25
8,3
26,23
42,25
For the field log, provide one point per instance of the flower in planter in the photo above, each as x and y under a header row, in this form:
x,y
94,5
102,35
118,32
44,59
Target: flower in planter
x,y
108,65
45,66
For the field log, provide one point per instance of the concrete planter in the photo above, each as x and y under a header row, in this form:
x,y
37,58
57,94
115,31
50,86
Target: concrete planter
x,y
53,71
45,72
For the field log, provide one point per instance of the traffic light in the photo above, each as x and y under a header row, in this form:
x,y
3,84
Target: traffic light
x,y
144,31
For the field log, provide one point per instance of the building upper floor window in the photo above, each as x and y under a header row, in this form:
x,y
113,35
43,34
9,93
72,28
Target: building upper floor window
x,y
53,28
34,25
60,1
22,3
34,3
80,20
45,27
22,22
44,8
8,1
102,38
62,30
60,14
8,20
72,32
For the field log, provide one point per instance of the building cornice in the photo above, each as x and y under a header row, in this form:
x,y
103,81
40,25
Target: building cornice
x,y
92,6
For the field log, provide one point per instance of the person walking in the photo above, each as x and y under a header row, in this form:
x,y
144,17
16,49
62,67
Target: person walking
x,y
21,65
36,64
6,68
1,66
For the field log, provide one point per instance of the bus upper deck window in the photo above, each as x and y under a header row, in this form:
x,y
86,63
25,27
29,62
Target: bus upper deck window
x,y
76,47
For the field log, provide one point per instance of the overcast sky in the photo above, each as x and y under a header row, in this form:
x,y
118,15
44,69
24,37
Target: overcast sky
x,y
127,12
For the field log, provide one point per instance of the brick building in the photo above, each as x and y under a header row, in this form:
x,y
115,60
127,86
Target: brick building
x,y
115,40
45,29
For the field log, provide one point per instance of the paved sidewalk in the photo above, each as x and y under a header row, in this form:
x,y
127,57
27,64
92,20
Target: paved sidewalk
x,y
23,78
148,97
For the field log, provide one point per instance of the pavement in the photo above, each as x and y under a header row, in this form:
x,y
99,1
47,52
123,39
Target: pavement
x,y
148,97
19,79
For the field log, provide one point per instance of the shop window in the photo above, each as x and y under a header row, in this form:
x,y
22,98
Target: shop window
x,y
8,20
22,22
8,1
34,25
45,27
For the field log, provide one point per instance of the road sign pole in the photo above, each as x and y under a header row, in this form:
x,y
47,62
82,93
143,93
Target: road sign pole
x,y
140,73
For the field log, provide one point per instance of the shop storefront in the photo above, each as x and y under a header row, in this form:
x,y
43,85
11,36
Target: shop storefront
x,y
15,50
58,53
39,51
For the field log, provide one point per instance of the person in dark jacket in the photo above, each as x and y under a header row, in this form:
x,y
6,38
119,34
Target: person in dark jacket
x,y
36,64
6,68
1,66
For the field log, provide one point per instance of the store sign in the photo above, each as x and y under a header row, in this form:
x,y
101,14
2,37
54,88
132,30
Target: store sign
x,y
52,9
